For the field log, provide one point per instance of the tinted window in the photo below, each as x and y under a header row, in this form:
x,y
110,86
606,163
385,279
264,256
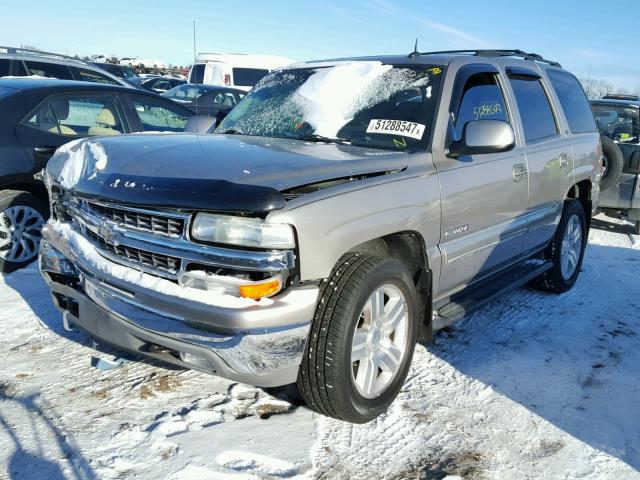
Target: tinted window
x,y
51,70
5,67
248,76
618,122
78,115
156,117
94,77
535,112
573,100
482,99
197,73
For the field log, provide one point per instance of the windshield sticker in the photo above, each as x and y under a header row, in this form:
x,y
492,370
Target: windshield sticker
x,y
396,127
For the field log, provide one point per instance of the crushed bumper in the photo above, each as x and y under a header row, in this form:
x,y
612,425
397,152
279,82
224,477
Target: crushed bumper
x,y
258,345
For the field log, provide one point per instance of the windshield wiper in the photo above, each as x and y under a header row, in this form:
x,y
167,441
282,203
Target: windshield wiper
x,y
231,131
314,137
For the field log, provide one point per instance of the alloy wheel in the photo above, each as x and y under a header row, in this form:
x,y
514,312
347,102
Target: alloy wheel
x,y
571,247
20,235
379,341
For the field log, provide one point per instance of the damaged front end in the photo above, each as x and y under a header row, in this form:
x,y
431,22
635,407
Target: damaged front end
x,y
141,264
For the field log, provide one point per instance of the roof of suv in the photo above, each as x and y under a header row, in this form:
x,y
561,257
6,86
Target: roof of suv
x,y
438,58
611,101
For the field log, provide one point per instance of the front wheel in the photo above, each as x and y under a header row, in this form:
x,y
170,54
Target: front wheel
x,y
566,250
362,339
22,216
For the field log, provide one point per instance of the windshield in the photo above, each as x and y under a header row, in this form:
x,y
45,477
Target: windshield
x,y
618,122
186,92
362,103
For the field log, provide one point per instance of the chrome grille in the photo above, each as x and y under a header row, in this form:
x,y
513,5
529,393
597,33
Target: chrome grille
x,y
139,220
137,256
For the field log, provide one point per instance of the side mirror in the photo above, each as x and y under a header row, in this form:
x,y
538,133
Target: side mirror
x,y
483,136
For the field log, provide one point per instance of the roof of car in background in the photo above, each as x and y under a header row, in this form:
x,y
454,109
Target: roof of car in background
x,y
31,83
621,103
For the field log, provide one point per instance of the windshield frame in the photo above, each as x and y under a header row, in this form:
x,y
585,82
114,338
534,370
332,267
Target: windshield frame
x,y
424,143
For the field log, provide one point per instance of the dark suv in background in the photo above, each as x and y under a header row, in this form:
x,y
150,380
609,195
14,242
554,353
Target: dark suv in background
x,y
40,115
619,124
16,62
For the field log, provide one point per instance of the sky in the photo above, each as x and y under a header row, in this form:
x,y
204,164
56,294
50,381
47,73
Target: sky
x,y
591,38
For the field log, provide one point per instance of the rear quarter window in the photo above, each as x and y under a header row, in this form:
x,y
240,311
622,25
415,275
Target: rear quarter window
x,y
573,101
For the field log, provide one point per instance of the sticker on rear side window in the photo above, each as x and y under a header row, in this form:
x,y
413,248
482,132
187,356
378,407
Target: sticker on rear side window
x,y
396,127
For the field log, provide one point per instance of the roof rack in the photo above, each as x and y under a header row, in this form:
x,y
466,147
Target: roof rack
x,y
534,57
26,51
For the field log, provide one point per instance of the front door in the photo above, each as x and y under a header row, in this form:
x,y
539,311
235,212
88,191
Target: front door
x,y
484,197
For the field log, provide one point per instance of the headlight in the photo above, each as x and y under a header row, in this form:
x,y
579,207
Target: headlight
x,y
246,232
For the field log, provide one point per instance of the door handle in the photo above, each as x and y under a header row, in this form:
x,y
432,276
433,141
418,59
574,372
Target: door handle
x,y
45,150
565,160
519,172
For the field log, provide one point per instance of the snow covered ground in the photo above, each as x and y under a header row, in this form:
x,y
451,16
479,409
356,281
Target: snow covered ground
x,y
533,386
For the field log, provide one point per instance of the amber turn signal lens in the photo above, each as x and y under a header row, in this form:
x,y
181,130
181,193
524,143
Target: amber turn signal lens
x,y
260,290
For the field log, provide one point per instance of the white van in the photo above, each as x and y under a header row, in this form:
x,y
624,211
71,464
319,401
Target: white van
x,y
234,69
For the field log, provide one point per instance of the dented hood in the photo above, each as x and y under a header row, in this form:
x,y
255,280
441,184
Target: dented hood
x,y
208,172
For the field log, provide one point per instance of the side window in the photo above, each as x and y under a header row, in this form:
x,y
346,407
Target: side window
x,y
573,100
224,100
537,117
481,99
78,116
156,117
50,70
5,67
85,75
43,119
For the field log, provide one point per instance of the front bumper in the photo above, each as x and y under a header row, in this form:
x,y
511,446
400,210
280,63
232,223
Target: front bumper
x,y
260,345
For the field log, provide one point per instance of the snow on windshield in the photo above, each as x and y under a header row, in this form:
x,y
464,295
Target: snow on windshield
x,y
327,99
346,86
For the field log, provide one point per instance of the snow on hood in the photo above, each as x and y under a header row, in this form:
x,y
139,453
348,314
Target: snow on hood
x,y
344,84
75,159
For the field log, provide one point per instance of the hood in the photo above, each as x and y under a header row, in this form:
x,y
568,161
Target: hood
x,y
210,172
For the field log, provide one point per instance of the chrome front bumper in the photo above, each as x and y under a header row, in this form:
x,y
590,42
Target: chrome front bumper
x,y
260,345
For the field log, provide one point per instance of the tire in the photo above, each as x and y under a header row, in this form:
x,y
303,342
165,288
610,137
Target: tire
x,y
328,377
555,279
613,162
22,216
636,227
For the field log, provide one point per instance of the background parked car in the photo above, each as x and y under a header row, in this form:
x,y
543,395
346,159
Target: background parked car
x,y
233,69
40,115
129,62
120,71
151,63
161,84
24,63
619,124
206,99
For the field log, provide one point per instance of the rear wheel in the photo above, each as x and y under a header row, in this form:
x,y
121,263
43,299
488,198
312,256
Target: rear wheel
x,y
566,250
362,339
22,216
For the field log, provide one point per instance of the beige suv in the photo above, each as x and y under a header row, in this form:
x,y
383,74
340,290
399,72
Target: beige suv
x,y
342,208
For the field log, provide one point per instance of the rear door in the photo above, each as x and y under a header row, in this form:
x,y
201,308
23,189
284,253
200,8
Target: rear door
x,y
548,154
484,197
68,116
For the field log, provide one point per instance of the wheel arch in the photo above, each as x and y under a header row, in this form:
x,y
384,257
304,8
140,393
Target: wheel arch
x,y
581,191
410,249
